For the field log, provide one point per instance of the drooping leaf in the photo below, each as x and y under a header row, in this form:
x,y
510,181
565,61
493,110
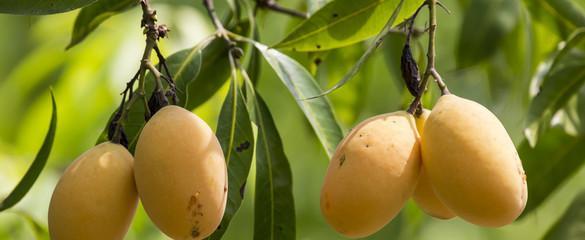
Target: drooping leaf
x,y
41,7
35,169
344,22
302,85
234,132
563,79
90,17
571,226
274,211
554,159
568,10
485,24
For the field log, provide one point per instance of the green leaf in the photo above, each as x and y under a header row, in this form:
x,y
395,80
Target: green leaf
x,y
344,22
41,7
274,210
571,226
36,167
234,132
90,17
485,24
563,79
215,69
568,10
302,85
556,157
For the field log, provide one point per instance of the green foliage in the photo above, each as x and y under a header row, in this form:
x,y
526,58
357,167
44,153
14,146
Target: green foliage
x,y
481,36
554,159
40,7
90,17
274,211
301,85
234,132
344,22
37,165
563,79
571,225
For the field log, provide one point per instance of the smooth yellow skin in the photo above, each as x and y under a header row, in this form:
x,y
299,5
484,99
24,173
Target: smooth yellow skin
x,y
424,195
371,175
181,174
472,163
96,197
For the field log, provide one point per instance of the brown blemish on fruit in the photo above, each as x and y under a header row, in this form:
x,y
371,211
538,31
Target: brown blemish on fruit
x,y
195,232
341,160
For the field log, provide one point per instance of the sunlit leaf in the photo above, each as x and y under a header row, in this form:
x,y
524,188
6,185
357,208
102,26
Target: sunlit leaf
x,y
41,7
234,132
563,80
555,158
344,22
571,226
35,169
302,85
274,210
90,17
485,24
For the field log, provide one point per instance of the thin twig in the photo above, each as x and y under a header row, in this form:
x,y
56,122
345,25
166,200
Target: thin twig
x,y
274,6
219,28
430,69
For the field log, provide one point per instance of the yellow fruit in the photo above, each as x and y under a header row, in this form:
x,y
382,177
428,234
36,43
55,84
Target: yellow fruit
x,y
472,163
424,195
96,197
181,174
371,175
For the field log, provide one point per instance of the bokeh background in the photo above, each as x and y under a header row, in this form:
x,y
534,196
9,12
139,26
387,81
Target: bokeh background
x,y
87,79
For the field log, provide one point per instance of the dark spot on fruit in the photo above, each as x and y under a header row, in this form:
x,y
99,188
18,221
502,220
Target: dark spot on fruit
x,y
195,232
327,205
341,160
361,135
317,61
199,206
192,202
318,46
367,145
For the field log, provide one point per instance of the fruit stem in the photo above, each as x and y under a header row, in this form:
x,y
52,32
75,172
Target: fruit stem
x,y
153,33
430,69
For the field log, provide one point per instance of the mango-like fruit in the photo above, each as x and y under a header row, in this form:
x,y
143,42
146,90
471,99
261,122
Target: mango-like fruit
x,y
472,163
181,174
96,196
424,195
372,174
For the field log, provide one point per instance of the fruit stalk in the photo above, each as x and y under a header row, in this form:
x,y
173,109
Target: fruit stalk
x,y
153,33
430,69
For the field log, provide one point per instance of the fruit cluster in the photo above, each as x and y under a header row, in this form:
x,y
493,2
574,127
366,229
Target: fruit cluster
x,y
179,173
457,160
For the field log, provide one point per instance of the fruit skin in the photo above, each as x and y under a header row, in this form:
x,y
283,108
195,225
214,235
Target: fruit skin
x,y
424,195
181,174
371,175
96,197
472,163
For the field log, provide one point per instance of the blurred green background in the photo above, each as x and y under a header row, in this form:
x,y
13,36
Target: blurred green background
x,y
488,54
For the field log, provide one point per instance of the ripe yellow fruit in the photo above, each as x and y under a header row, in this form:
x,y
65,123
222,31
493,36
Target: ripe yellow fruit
x,y
372,174
181,174
96,197
472,163
424,195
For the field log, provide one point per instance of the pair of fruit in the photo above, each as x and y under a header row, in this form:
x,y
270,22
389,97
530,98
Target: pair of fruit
x,y
179,173
457,160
